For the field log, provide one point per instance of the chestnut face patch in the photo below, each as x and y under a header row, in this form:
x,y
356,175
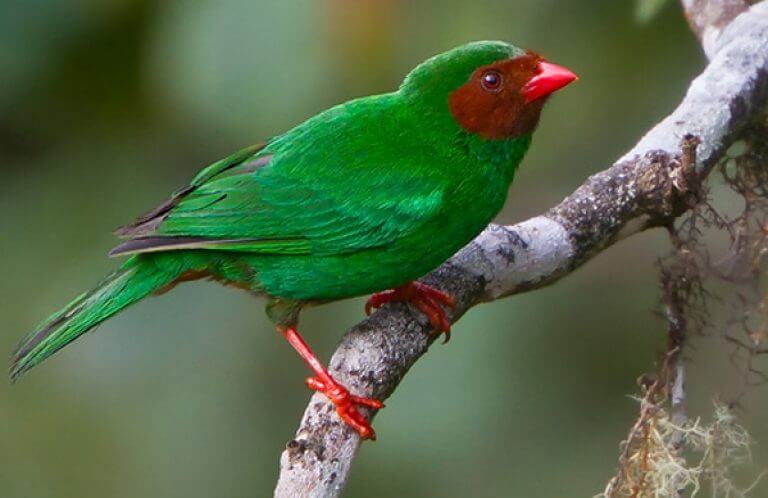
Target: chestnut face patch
x,y
492,103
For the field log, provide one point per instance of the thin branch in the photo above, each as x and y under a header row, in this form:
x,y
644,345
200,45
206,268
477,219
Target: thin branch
x,y
681,280
639,191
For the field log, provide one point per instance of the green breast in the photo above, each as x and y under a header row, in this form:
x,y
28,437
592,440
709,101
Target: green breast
x,y
363,197
473,199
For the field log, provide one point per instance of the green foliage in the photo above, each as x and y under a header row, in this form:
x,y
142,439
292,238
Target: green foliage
x,y
646,10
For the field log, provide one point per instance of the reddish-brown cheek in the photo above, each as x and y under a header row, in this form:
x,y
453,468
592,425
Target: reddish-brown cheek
x,y
486,114
499,115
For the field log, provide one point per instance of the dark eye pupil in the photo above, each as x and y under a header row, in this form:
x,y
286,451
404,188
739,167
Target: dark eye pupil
x,y
491,80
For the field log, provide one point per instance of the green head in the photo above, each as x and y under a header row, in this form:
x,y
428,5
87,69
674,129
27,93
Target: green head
x,y
490,88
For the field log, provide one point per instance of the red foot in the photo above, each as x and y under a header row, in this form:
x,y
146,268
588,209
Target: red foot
x,y
427,299
345,405
335,392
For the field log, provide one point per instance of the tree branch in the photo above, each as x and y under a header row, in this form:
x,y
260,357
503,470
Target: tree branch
x,y
645,188
708,18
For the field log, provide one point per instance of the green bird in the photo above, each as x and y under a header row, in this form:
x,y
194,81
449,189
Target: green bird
x,y
368,195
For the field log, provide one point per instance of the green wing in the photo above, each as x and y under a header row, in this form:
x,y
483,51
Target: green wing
x,y
299,195
145,224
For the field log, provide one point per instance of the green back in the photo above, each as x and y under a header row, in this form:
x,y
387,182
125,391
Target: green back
x,y
354,192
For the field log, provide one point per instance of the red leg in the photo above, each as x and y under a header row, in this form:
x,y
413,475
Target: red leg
x,y
427,299
338,394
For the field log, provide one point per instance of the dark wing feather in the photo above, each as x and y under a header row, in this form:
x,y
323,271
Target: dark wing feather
x,y
146,224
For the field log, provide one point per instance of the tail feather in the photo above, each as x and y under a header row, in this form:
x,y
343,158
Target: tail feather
x,y
134,281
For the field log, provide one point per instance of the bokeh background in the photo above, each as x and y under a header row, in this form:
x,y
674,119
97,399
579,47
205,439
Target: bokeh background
x,y
106,106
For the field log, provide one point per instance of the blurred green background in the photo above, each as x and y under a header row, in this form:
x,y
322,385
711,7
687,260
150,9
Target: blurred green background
x,y
106,106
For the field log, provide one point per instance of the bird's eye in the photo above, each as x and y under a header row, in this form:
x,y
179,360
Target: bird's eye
x,y
491,81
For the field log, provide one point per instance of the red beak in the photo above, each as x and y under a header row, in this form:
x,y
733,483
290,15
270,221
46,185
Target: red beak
x,y
549,79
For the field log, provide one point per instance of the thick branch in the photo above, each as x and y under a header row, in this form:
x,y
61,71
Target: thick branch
x,y
708,18
645,188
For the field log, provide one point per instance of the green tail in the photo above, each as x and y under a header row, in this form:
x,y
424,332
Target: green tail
x,y
137,278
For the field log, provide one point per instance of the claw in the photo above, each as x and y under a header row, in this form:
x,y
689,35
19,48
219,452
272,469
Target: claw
x,y
427,299
379,299
345,405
